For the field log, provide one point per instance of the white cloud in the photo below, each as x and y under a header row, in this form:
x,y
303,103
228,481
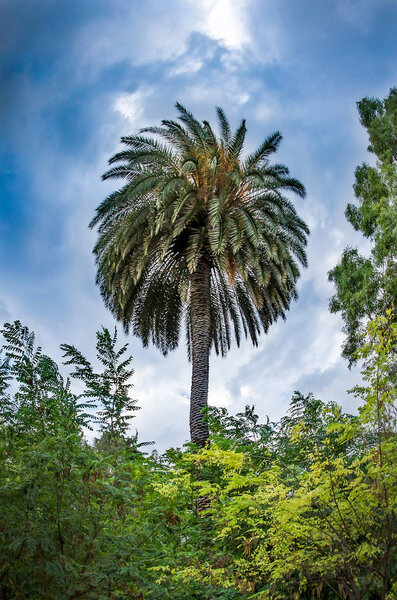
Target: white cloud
x,y
189,65
266,110
162,388
132,106
324,348
300,354
242,98
161,31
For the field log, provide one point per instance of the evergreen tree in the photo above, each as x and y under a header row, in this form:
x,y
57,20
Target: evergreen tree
x,y
366,286
198,234
110,388
42,398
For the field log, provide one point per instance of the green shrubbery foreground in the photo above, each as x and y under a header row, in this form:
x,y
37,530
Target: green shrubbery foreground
x,y
305,508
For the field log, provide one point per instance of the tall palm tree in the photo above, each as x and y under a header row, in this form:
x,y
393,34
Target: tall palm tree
x,y
198,234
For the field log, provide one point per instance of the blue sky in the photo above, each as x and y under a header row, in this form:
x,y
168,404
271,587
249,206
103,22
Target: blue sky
x,y
76,75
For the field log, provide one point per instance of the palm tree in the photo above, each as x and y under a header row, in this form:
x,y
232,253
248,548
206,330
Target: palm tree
x,y
197,234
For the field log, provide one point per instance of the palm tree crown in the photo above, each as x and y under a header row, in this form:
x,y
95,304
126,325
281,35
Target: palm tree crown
x,y
198,234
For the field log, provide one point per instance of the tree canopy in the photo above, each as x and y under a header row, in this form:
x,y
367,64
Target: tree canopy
x,y
366,286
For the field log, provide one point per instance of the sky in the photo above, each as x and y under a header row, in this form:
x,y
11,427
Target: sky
x,y
76,75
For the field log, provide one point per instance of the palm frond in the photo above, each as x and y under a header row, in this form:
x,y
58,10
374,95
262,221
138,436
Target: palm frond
x,y
237,141
268,147
224,125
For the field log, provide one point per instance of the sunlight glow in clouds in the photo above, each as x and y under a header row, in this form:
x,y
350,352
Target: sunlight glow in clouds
x,y
226,21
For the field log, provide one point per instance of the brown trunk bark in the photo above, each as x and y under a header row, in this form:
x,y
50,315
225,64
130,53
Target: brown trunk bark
x,y
200,307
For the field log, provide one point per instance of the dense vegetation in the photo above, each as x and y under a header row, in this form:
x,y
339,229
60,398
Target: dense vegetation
x,y
304,508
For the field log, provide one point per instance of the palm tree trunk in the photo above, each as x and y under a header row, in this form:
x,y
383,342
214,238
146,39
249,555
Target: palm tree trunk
x,y
200,307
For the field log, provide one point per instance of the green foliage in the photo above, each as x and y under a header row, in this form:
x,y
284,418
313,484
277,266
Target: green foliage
x,y
241,432
110,388
42,398
71,521
367,286
72,516
379,117
304,508
323,526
